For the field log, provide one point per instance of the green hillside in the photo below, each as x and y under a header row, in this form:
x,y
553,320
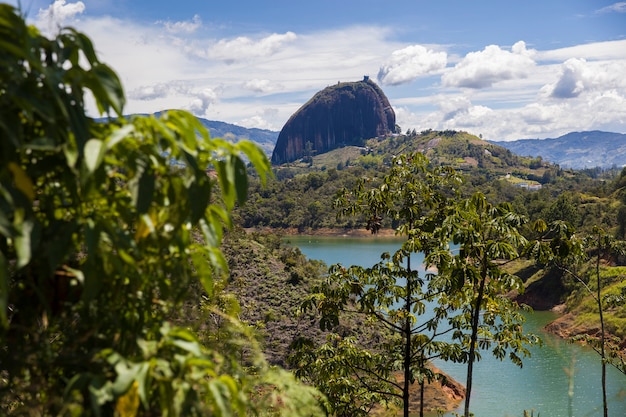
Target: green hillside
x,y
301,194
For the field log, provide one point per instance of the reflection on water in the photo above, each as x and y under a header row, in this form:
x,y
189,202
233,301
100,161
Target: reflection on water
x,y
559,379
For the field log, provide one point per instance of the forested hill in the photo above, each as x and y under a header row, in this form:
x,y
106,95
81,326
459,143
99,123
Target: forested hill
x,y
301,194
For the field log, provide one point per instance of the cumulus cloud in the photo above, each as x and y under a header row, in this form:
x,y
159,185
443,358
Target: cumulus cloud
x,y
452,106
258,122
571,83
619,7
199,99
578,76
58,14
491,65
259,86
243,47
150,92
182,27
602,110
407,64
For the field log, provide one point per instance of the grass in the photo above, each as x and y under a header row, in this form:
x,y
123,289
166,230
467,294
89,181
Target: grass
x,y
613,280
517,180
337,156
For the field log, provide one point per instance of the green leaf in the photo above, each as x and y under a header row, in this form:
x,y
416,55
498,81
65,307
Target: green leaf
x,y
6,228
257,157
200,263
71,152
219,391
188,346
86,46
201,192
143,382
23,242
145,191
4,292
126,374
142,186
94,154
241,180
107,89
22,181
99,393
217,260
226,178
118,135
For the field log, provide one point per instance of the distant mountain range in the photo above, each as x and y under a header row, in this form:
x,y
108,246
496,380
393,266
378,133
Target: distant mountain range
x,y
266,139
576,150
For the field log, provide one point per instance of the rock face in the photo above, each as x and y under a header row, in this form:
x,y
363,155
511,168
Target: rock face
x,y
339,115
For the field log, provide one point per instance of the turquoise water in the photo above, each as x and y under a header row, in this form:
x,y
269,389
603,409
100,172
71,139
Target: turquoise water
x,y
502,389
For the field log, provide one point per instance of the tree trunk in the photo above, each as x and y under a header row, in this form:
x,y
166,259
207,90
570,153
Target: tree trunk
x,y
407,347
474,340
602,337
422,397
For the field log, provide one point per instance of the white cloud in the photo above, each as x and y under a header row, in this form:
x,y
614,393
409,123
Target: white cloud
x,y
608,50
182,27
578,76
407,64
490,66
619,7
571,83
149,92
597,107
201,100
259,86
452,106
258,122
195,99
243,47
58,14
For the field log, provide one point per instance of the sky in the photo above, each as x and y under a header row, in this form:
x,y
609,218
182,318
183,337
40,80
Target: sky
x,y
502,70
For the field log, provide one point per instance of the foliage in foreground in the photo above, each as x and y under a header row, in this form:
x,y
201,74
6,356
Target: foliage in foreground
x,y
97,248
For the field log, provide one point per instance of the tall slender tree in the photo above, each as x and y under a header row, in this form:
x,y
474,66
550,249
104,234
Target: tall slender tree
x,y
485,236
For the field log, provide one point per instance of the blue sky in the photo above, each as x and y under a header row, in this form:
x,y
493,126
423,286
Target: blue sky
x,y
501,69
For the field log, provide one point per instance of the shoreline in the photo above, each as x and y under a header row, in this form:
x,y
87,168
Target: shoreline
x,y
325,232
564,326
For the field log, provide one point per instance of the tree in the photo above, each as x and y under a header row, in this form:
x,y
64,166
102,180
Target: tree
x,y
487,236
100,238
391,296
563,209
562,247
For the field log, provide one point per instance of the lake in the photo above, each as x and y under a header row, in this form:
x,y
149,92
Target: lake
x,y
502,389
